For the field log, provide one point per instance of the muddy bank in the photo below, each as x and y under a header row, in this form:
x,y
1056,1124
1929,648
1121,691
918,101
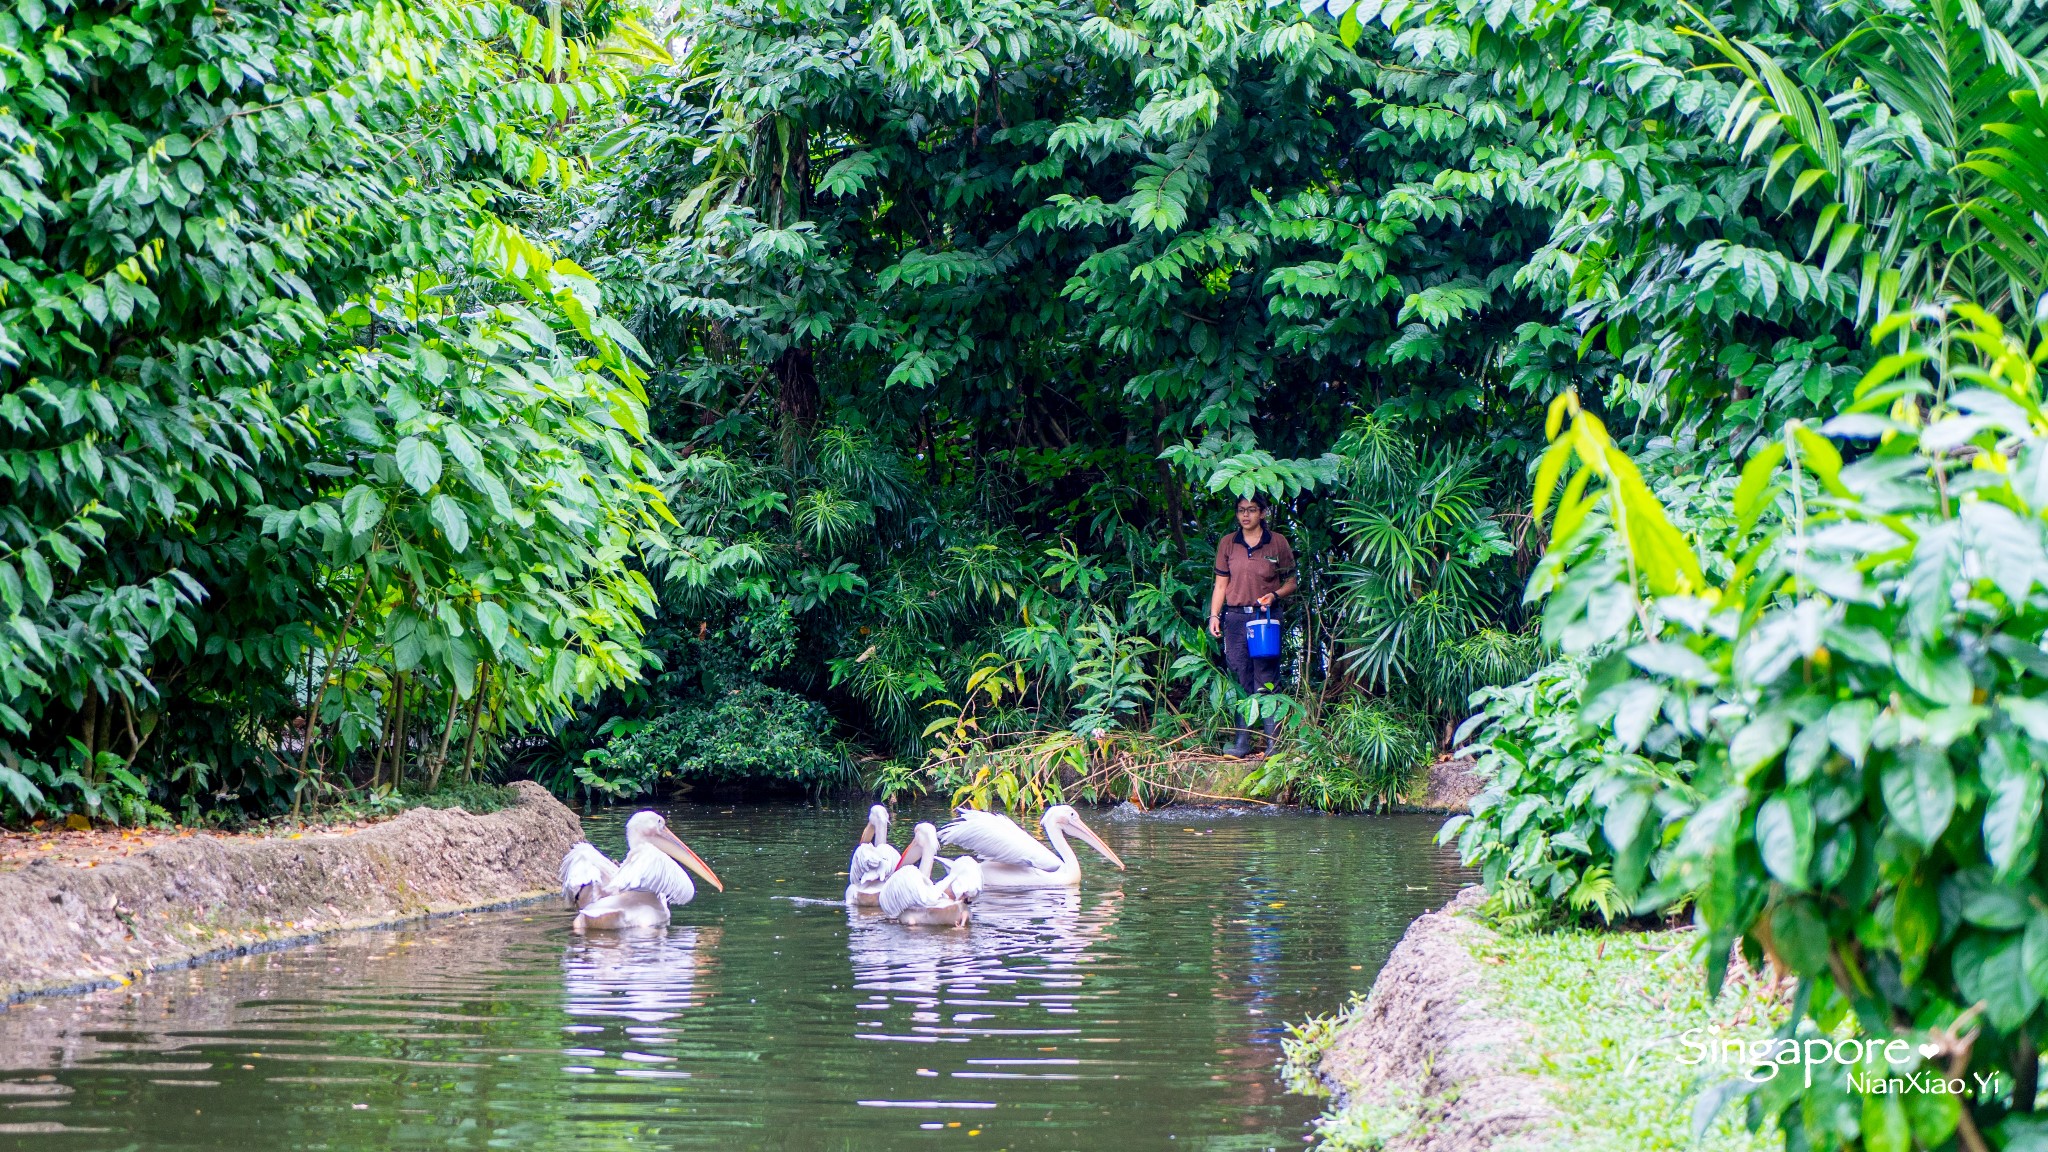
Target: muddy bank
x,y
72,928
1447,785
1430,1054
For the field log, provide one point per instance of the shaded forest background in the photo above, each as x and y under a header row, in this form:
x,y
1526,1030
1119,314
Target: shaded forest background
x,y
806,395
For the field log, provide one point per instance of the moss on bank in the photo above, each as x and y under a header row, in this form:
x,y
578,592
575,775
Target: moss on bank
x,y
1602,1015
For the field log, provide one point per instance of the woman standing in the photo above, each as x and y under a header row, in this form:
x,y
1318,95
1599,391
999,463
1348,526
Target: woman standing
x,y
1254,571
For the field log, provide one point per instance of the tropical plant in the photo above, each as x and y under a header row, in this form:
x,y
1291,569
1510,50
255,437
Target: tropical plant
x,y
1858,678
251,288
752,735
1360,753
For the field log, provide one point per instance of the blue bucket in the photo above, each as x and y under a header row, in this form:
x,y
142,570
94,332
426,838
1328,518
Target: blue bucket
x,y
1262,637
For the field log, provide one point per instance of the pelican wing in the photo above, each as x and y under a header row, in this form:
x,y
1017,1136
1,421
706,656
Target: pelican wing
x,y
583,867
963,877
649,869
997,838
909,888
871,863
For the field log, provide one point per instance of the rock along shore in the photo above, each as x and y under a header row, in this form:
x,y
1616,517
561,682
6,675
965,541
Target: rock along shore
x,y
1429,1045
67,929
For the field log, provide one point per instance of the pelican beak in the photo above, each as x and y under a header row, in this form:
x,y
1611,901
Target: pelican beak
x,y
680,852
911,853
1088,834
867,834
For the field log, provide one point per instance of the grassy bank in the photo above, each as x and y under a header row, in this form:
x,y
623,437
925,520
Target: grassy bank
x,y
1602,1013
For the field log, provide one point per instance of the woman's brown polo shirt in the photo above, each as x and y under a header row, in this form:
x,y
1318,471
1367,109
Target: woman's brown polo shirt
x,y
1253,570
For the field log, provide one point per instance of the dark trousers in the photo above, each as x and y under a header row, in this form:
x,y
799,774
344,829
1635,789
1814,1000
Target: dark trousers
x,y
1261,674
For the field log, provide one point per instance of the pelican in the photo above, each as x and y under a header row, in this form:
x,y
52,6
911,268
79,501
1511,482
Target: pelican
x,y
872,861
910,897
636,893
1010,858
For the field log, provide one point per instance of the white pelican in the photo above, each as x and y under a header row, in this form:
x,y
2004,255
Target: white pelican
x,y
872,861
910,897
638,892
1010,858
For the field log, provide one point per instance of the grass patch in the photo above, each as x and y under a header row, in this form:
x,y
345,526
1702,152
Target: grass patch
x,y
1608,1009
1605,1011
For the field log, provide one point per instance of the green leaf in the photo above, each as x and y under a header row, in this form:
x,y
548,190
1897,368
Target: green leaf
x,y
420,463
1758,743
495,624
1801,937
1983,901
1916,924
1988,969
2012,820
1885,1128
448,516
2031,714
1849,724
1755,483
361,510
1784,837
1941,677
1920,792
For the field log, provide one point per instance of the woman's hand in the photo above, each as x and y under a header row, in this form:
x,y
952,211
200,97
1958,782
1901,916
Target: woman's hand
x,y
1216,627
1266,601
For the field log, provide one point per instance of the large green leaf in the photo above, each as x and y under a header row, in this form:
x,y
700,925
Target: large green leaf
x,y
1920,792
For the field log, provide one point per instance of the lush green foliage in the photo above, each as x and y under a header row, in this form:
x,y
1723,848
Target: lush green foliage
x,y
294,427
1359,753
752,734
1800,698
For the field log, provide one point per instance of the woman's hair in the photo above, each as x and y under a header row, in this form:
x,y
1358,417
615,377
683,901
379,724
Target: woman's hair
x,y
1261,499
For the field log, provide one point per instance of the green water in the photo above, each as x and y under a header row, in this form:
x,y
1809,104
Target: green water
x,y
1146,1011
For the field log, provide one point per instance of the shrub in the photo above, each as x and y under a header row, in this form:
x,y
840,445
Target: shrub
x,y
1360,753
1553,782
1862,676
751,733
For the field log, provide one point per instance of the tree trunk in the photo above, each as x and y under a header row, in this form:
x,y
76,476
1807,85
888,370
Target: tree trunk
x,y
1168,481
798,396
447,730
398,737
476,715
88,733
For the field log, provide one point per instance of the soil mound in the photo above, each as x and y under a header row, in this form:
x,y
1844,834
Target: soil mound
x,y
1428,1043
71,928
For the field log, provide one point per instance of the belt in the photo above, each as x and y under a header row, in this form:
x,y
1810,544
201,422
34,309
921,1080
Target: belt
x,y
1248,609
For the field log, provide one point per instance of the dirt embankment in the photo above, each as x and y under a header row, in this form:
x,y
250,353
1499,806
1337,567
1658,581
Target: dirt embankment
x,y
1447,785
1429,1045
72,927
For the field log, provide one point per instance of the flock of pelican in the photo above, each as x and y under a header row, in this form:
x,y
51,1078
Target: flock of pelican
x,y
998,855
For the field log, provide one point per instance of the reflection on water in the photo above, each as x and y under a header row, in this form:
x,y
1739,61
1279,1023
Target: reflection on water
x,y
1143,1011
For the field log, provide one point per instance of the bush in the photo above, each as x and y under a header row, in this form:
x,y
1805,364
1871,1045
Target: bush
x,y
1360,753
751,733
1553,780
1862,679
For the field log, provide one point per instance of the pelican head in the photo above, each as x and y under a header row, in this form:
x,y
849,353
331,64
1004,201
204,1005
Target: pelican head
x,y
650,828
1068,820
924,845
877,831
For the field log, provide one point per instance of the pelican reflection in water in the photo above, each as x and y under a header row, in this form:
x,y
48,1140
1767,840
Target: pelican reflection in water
x,y
1014,936
647,978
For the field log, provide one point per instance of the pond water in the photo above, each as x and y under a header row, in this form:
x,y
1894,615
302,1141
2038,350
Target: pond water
x,y
1146,1011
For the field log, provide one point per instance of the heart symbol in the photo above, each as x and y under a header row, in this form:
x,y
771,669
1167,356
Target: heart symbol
x,y
1929,1051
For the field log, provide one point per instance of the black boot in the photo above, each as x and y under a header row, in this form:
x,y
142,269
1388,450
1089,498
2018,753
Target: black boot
x,y
1243,746
1272,734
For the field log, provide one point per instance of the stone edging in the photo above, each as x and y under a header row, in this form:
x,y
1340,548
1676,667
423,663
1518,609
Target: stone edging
x,y
1428,1051
202,899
